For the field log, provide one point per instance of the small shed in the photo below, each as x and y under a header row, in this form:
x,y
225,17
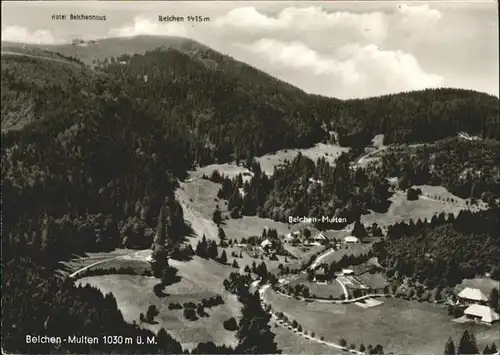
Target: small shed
x,y
351,240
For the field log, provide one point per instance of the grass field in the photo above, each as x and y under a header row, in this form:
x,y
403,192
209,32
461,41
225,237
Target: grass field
x,y
292,343
230,170
199,279
444,196
303,252
329,151
248,259
376,280
70,266
198,199
353,249
402,327
403,210
252,225
319,290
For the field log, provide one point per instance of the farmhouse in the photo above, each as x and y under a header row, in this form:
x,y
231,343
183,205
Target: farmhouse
x,y
471,296
320,239
481,313
347,272
319,275
351,240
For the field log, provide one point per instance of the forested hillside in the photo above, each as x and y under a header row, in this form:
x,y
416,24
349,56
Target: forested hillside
x,y
110,142
419,116
307,189
445,250
27,80
469,169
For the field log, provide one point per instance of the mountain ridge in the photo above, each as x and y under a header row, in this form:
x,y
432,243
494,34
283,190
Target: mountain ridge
x,y
405,116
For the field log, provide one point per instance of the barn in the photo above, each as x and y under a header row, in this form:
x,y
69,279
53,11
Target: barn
x,y
481,313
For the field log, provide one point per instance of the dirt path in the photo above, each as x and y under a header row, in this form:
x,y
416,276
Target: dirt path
x,y
136,254
346,293
320,258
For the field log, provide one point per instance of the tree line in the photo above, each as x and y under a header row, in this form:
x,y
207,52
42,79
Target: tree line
x,y
443,251
302,187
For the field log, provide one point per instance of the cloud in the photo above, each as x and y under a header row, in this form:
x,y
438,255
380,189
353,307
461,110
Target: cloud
x,y
351,71
144,26
22,34
375,26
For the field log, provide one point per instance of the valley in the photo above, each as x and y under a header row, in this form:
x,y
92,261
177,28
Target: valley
x,y
203,278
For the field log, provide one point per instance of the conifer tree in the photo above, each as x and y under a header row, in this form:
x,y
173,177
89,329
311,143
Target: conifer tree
x,y
449,348
223,257
467,345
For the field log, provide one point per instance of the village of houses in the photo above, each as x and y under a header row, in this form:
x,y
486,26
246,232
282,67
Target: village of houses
x,y
469,305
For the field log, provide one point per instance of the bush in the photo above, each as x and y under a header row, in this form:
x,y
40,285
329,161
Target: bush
x,y
322,338
190,314
342,342
313,334
151,313
174,306
191,305
231,324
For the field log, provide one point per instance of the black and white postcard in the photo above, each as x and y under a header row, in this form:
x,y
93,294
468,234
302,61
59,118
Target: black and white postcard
x,y
236,177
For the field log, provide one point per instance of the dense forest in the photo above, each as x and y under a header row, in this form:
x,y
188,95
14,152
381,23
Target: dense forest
x,y
468,169
305,188
422,116
443,251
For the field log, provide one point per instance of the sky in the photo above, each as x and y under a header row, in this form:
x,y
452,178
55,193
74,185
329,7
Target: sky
x,y
339,49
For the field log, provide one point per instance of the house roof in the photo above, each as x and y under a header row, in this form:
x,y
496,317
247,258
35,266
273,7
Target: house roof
x,y
485,312
320,235
351,239
347,271
473,294
265,243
